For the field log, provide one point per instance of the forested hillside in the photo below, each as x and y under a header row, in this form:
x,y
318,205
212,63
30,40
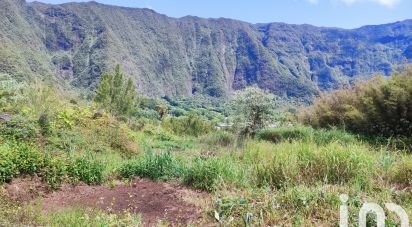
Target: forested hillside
x,y
75,43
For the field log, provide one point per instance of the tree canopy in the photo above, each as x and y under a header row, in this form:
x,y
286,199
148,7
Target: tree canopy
x,y
116,93
254,107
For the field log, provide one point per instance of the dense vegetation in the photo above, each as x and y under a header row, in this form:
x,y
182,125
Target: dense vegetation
x,y
75,43
278,173
378,107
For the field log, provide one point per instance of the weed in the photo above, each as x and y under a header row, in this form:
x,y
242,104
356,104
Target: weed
x,y
161,166
87,170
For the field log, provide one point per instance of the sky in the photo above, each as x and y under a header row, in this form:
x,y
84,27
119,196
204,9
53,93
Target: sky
x,y
330,13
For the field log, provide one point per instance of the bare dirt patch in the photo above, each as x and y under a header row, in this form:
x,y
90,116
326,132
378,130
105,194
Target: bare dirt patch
x,y
154,201
26,189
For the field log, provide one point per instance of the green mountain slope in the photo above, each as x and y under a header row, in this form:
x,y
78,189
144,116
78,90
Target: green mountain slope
x,y
76,42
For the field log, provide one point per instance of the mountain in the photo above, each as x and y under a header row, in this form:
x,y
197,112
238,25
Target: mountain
x,y
75,42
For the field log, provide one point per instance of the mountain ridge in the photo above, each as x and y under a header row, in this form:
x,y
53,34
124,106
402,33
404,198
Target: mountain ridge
x,y
76,42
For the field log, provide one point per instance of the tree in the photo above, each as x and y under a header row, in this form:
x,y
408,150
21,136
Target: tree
x,y
130,97
115,93
254,106
104,91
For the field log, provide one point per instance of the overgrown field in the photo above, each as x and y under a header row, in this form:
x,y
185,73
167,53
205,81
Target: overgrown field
x,y
282,174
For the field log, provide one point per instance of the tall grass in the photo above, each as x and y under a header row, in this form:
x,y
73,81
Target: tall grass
x,y
291,163
207,174
306,134
154,166
191,125
219,139
401,172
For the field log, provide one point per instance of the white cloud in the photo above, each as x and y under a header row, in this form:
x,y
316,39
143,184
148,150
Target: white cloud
x,y
313,1
388,3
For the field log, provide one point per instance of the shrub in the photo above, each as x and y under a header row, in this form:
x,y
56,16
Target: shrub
x,y
306,134
204,174
7,166
192,125
277,135
161,166
146,113
10,91
378,107
17,128
121,141
27,159
401,172
21,159
326,136
87,170
44,123
220,138
53,171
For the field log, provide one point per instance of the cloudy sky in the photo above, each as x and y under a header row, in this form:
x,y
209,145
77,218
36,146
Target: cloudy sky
x,y
334,13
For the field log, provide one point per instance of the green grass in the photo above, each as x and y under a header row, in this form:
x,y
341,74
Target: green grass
x,y
289,163
401,172
284,176
307,134
205,174
87,170
88,217
219,139
16,214
154,166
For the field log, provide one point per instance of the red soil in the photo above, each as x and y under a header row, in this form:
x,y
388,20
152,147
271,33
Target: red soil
x,y
154,201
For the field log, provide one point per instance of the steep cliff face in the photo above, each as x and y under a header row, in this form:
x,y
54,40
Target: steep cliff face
x,y
76,42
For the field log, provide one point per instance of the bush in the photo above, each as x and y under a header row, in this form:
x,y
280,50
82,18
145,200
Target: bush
x,y
326,136
53,172
220,138
17,128
44,123
161,166
204,174
378,107
119,139
27,159
24,159
7,166
306,134
277,135
19,159
87,170
401,172
192,125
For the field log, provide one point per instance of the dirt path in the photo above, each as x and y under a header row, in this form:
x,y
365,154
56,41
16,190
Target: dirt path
x,y
154,201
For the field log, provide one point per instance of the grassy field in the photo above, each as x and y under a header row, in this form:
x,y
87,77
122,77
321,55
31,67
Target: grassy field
x,y
288,175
